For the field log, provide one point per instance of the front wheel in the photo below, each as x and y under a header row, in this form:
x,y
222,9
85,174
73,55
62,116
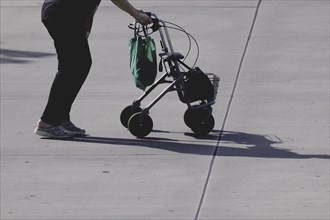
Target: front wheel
x,y
127,113
140,125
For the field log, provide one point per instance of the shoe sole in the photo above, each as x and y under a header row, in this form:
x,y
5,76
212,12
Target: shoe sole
x,y
76,132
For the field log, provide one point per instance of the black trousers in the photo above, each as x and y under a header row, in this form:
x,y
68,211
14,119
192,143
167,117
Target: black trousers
x,y
74,62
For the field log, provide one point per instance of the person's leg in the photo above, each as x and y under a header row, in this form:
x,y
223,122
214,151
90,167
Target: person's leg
x,y
74,62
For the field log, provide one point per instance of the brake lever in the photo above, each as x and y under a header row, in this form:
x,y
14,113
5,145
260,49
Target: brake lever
x,y
132,25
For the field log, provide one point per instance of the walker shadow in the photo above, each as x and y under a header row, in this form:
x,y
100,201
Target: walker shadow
x,y
248,145
20,56
254,145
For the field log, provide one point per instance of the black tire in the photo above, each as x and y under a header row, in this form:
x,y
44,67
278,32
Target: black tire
x,y
194,117
189,117
127,113
140,125
203,127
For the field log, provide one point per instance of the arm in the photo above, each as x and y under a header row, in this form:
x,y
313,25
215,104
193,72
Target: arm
x,y
128,8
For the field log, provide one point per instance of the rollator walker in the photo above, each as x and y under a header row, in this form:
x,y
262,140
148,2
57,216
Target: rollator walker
x,y
183,79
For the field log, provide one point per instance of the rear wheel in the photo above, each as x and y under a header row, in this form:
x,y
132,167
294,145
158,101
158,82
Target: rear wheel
x,y
203,127
199,120
196,115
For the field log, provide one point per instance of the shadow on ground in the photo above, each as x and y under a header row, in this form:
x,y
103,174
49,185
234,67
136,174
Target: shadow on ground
x,y
20,56
246,145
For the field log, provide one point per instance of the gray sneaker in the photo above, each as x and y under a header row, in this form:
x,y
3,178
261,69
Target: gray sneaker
x,y
56,132
70,127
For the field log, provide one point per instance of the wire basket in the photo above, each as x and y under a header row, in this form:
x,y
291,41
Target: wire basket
x,y
215,82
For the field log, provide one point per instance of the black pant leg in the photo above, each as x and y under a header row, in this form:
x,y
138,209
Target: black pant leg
x,y
74,62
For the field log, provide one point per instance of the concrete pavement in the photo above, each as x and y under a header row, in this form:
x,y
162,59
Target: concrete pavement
x,y
268,157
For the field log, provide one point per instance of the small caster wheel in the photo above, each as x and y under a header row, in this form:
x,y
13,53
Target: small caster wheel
x,y
140,125
203,127
127,113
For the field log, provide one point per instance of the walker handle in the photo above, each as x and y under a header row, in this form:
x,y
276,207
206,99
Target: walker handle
x,y
155,26
155,21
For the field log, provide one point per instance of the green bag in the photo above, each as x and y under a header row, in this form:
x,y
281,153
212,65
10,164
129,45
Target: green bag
x,y
143,61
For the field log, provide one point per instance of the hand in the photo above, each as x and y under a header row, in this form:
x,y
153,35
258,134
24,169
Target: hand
x,y
142,18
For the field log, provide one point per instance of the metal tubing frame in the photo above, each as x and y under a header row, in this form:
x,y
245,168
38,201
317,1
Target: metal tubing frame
x,y
167,44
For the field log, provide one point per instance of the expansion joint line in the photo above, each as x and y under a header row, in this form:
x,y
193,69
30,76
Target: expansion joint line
x,y
227,113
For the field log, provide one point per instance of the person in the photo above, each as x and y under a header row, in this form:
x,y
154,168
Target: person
x,y
69,23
